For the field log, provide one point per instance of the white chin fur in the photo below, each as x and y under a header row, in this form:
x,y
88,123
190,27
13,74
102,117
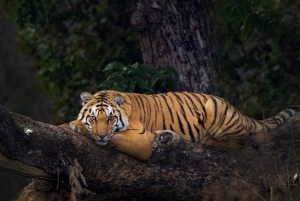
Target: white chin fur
x,y
102,143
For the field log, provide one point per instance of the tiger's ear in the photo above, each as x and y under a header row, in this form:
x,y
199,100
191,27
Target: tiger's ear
x,y
86,97
119,99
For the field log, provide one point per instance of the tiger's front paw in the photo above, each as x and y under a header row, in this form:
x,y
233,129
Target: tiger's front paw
x,y
165,140
76,126
79,127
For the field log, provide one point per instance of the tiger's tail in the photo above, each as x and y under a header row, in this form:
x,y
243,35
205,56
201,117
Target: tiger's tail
x,y
272,122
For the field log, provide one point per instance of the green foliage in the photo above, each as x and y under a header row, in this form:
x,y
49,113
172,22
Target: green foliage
x,y
139,78
258,44
70,43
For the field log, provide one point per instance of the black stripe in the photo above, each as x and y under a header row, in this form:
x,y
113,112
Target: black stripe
x,y
178,98
276,120
200,102
190,130
170,111
180,102
141,106
198,133
180,124
235,132
142,131
191,133
192,102
171,100
83,113
215,111
171,128
156,105
203,96
222,118
253,122
230,126
148,113
156,112
282,117
163,117
232,116
187,104
121,119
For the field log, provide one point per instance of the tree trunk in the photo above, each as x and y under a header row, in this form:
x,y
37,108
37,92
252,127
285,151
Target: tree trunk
x,y
177,33
70,166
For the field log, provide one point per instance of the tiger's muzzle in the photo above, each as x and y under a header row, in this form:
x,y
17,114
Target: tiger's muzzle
x,y
101,140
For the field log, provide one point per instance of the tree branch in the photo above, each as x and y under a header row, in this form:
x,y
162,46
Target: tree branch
x,y
188,171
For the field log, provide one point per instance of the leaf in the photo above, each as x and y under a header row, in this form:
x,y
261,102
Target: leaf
x,y
154,79
146,68
114,65
131,86
275,44
115,76
135,65
132,70
168,69
142,84
247,27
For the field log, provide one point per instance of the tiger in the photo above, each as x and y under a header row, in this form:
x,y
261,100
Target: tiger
x,y
129,121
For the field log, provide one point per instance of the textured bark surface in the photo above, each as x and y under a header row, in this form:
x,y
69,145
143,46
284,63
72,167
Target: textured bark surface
x,y
74,167
177,33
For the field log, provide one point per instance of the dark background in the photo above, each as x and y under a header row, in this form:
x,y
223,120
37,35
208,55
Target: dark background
x,y
19,92
68,44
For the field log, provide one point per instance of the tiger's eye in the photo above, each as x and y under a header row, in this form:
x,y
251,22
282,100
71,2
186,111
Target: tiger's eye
x,y
110,118
93,118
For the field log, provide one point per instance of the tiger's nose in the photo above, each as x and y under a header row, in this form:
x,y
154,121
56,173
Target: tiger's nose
x,y
101,137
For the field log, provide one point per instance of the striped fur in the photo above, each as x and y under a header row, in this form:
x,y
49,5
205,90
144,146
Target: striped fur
x,y
195,117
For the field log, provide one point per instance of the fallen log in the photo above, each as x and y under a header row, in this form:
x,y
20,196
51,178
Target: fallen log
x,y
66,165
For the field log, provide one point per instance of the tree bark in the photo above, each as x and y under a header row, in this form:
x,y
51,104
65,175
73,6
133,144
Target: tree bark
x,y
177,33
70,166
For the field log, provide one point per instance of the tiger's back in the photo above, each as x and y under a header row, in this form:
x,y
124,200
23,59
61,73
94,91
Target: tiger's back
x,y
200,117
182,113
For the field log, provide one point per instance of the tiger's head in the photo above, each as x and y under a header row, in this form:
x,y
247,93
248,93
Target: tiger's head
x,y
103,115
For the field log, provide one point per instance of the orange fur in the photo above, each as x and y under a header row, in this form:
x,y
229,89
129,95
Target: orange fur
x,y
127,121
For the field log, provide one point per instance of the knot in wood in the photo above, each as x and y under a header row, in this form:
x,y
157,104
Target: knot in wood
x,y
138,21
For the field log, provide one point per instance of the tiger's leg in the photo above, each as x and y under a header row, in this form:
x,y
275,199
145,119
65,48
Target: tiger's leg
x,y
217,132
133,143
76,126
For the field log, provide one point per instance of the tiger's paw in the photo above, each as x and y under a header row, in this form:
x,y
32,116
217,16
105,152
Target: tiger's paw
x,y
76,126
79,127
65,125
165,140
